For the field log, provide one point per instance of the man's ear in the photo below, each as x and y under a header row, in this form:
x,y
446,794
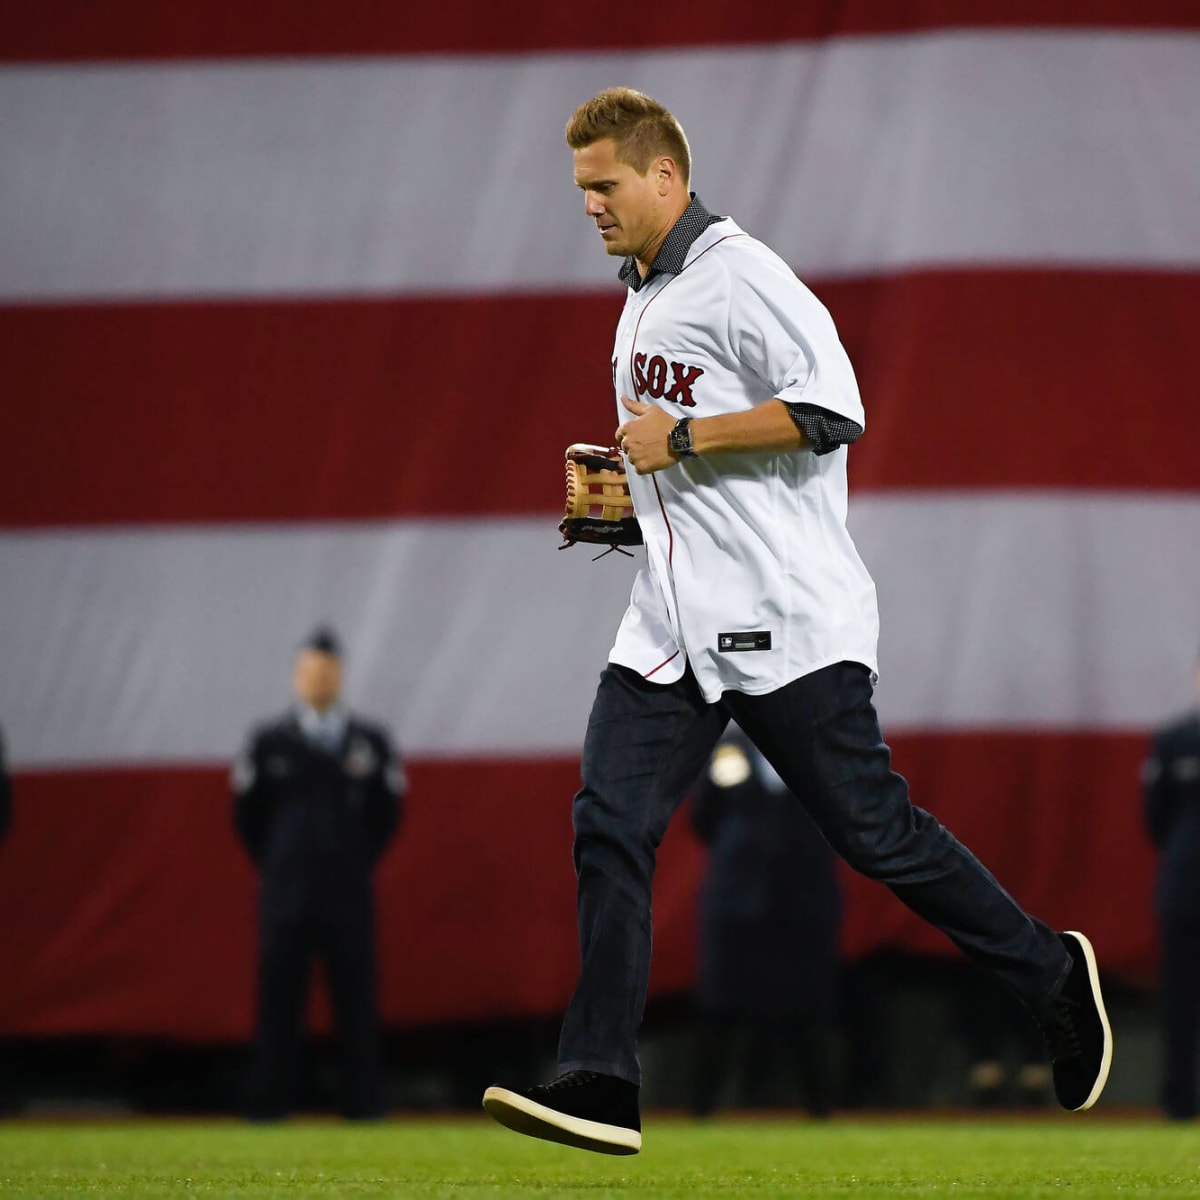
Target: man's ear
x,y
665,173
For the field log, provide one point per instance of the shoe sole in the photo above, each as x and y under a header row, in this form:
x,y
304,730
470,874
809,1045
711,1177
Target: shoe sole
x,y
1089,956
522,1115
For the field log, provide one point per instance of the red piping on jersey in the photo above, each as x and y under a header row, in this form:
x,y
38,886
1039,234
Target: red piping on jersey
x,y
661,665
632,351
662,508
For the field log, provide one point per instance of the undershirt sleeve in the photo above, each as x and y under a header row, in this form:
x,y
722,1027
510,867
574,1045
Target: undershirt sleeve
x,y
824,429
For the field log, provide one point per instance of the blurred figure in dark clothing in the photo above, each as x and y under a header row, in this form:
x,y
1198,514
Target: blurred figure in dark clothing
x,y
5,793
770,919
1005,1052
1171,794
317,796
8,1100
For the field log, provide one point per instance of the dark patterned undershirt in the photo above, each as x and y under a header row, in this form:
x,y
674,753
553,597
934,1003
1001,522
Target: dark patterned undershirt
x,y
824,430
673,252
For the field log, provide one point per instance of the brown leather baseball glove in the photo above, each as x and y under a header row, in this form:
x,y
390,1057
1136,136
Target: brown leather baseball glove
x,y
599,509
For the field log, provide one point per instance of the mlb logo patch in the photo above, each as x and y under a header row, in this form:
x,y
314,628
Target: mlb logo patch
x,y
732,643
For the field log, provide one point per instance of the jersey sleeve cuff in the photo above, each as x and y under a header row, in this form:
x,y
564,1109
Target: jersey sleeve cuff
x,y
825,430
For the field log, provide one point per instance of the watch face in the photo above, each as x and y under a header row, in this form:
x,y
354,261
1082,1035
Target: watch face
x,y
680,438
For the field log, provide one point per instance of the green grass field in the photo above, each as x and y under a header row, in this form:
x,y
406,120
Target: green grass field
x,y
1072,1159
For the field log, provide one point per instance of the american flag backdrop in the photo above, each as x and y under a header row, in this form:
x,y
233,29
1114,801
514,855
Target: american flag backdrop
x,y
299,308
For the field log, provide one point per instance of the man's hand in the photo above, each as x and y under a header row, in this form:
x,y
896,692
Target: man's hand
x,y
643,440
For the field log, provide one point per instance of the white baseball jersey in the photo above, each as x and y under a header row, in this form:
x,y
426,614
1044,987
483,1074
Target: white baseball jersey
x,y
750,574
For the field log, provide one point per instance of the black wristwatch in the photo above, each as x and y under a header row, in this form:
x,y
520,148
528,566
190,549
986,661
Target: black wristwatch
x,y
679,440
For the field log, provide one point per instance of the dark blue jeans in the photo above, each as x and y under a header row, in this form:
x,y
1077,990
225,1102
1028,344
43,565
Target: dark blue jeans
x,y
645,747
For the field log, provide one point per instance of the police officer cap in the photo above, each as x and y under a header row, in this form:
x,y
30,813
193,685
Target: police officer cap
x,y
324,640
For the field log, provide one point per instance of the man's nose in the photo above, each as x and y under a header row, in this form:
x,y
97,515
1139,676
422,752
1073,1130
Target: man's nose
x,y
592,205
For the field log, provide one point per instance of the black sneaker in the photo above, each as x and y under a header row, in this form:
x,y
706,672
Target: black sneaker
x,y
584,1109
1076,1030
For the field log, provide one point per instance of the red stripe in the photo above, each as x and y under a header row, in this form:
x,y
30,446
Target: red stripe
x,y
125,29
1023,379
150,923
137,906
328,409
655,670
353,409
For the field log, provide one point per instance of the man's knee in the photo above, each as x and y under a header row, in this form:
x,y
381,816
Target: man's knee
x,y
885,840
612,840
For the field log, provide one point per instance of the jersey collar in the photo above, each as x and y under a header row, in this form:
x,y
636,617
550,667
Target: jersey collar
x,y
327,728
669,260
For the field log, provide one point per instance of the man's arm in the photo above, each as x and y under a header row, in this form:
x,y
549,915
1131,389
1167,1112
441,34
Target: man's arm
x,y
385,797
251,801
5,796
1158,792
769,428
1157,797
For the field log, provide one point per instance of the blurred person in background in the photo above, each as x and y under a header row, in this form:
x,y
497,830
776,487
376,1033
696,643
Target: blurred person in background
x,y
317,797
770,920
1171,795
5,793
7,1098
1006,1061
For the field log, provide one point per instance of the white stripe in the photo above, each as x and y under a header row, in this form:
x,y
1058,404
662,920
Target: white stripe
x,y
479,638
1061,610
432,174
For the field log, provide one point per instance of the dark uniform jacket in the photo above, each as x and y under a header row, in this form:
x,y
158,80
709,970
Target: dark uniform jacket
x,y
1171,791
314,821
5,795
770,904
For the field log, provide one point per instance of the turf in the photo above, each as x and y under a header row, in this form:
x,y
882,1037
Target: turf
x,y
470,1158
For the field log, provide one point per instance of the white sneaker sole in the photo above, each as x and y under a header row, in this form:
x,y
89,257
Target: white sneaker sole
x,y
515,1112
1094,980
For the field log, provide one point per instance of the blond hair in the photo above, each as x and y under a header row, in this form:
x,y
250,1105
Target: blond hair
x,y
641,127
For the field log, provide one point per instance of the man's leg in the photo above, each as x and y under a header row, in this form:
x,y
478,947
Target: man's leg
x,y
1180,999
810,1041
714,1038
348,942
283,982
822,735
645,746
